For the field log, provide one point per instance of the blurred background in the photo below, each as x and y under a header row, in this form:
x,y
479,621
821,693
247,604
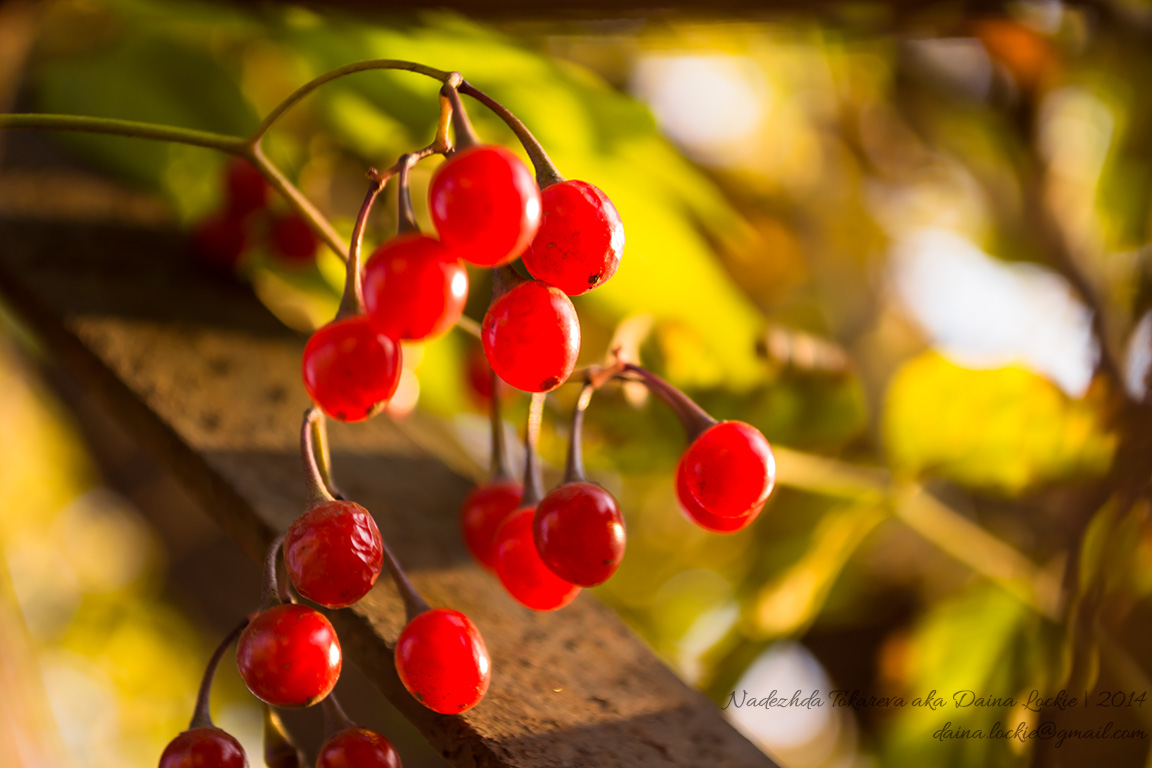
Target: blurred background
x,y
909,243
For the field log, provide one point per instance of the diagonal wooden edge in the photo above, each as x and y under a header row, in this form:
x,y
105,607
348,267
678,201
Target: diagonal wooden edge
x,y
205,378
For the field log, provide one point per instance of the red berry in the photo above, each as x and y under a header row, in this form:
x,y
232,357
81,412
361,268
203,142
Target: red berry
x,y
728,471
351,370
358,748
579,533
521,570
484,509
414,287
203,748
333,553
220,241
293,240
708,521
289,656
485,205
531,336
442,661
580,240
246,189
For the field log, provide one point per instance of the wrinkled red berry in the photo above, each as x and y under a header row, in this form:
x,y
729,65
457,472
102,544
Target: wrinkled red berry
x,y
521,570
485,205
219,241
580,240
708,521
358,748
333,553
442,661
414,287
579,533
483,511
293,240
531,336
203,748
351,370
289,656
246,190
728,471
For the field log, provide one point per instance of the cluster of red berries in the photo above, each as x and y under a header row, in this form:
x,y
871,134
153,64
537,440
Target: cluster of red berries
x,y
246,218
544,549
488,211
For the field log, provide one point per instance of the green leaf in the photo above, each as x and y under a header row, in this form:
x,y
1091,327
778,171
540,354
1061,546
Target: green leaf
x,y
1003,429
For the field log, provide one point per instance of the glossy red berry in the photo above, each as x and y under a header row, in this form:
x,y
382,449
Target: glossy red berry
x,y
443,662
350,369
580,240
708,521
531,336
485,205
358,748
521,570
414,287
246,190
483,511
579,533
219,242
293,240
728,471
203,748
289,656
333,553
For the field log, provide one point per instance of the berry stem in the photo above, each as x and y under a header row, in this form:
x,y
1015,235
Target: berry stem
x,y
322,455
352,301
574,471
335,718
315,488
533,486
348,69
504,279
466,137
406,216
230,144
201,718
501,468
279,751
414,604
694,418
270,590
546,173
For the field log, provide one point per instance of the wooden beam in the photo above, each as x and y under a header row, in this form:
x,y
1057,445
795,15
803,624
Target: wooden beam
x,y
201,374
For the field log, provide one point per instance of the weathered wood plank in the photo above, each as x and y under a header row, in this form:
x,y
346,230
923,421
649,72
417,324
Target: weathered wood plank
x,y
199,372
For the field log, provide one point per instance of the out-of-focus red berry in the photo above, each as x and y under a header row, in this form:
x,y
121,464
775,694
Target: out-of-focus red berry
x,y
246,190
219,242
483,511
293,240
521,570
